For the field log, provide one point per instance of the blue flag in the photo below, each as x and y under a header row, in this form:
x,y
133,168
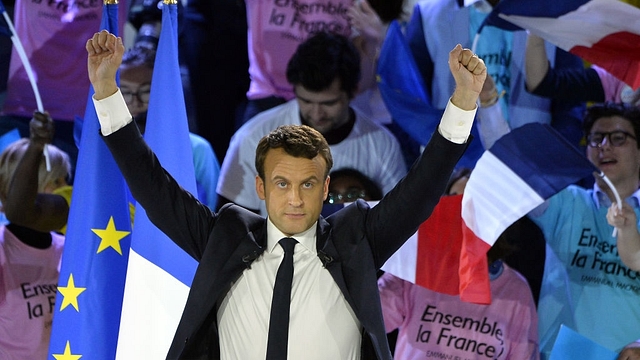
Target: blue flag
x,y
160,273
405,94
94,261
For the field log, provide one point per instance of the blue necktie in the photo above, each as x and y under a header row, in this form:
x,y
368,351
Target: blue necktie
x,y
279,319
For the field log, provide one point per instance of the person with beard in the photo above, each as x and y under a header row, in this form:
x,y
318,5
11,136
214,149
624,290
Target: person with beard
x,y
324,72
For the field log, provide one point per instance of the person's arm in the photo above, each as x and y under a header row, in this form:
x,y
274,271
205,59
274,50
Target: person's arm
x,y
175,211
628,237
536,64
564,81
410,201
24,206
371,33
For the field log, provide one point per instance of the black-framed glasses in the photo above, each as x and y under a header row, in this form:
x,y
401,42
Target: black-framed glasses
x,y
351,195
142,94
616,138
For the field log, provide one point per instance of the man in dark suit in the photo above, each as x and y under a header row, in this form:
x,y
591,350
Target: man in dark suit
x,y
334,303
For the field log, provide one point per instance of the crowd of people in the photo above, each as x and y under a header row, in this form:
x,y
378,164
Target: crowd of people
x,y
299,163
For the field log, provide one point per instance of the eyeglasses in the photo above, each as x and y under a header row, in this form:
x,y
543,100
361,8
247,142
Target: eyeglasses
x,y
142,94
616,138
350,195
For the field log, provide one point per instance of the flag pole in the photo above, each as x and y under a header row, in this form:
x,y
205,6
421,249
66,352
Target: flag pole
x,y
29,70
615,193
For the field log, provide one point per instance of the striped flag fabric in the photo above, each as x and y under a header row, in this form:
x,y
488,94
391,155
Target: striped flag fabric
x,y
603,32
519,172
159,273
94,261
431,256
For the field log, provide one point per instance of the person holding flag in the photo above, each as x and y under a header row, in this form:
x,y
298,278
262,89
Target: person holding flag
x,y
585,284
575,84
334,277
30,246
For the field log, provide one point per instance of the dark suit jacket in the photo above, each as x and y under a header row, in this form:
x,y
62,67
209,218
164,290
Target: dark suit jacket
x,y
353,243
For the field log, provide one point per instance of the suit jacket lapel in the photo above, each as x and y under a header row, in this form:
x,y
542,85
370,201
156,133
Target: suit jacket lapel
x,y
330,257
247,250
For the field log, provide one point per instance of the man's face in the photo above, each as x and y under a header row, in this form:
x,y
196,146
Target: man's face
x,y
619,163
293,189
135,85
324,110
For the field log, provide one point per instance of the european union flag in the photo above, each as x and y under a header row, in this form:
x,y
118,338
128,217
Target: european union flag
x,y
160,273
96,252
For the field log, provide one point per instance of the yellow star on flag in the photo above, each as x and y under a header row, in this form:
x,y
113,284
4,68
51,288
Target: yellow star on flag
x,y
67,354
110,237
70,294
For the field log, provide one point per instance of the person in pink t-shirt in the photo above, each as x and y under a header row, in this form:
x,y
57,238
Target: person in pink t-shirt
x,y
30,249
432,324
277,27
53,34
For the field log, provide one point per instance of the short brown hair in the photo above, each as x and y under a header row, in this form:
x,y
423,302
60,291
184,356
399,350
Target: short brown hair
x,y
297,141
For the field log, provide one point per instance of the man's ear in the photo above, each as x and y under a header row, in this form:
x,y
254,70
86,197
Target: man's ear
x,y
260,187
326,188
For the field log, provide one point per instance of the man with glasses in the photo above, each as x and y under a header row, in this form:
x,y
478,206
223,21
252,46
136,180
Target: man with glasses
x,y
586,286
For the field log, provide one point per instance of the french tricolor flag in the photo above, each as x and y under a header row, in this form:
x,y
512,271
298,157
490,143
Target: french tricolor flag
x,y
520,171
603,32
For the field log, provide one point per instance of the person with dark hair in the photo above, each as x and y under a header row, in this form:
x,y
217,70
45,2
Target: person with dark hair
x,y
276,29
324,72
585,284
625,219
295,284
348,185
31,244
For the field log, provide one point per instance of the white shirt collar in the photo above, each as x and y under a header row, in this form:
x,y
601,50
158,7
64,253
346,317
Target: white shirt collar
x,y
307,238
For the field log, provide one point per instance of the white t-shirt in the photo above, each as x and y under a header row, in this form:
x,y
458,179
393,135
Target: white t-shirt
x,y
369,148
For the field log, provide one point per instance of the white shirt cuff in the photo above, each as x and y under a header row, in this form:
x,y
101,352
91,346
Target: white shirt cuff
x,y
456,123
112,112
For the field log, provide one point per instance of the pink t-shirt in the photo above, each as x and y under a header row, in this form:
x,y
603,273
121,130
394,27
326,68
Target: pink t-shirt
x,y
54,34
276,28
434,325
28,286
